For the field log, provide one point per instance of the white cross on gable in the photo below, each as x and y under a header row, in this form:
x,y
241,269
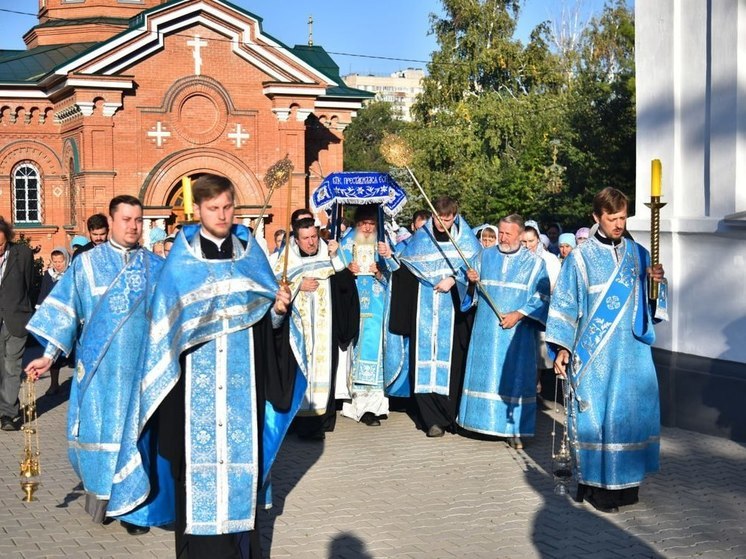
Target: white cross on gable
x,y
197,45
239,136
160,134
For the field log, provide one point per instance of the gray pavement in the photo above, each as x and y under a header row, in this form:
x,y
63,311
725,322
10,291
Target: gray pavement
x,y
391,492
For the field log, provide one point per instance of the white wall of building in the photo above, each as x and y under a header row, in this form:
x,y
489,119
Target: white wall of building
x,y
691,114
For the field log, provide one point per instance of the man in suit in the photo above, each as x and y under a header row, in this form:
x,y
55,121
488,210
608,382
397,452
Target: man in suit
x,y
16,275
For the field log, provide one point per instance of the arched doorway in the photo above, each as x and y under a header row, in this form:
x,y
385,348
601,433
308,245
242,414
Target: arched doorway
x,y
161,191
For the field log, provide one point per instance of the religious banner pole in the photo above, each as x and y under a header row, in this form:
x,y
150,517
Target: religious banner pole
x,y
274,178
287,222
655,206
398,153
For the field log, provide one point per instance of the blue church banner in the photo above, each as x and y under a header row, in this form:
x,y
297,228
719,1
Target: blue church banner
x,y
359,188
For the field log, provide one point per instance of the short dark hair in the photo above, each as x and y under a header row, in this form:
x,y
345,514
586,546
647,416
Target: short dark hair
x,y
97,221
302,223
56,251
299,212
420,214
209,186
445,205
122,199
529,228
610,201
6,229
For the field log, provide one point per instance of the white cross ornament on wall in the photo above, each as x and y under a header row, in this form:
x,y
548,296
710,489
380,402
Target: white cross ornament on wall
x,y
197,43
160,134
239,136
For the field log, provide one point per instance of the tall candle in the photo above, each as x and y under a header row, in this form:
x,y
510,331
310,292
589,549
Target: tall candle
x,y
655,178
186,187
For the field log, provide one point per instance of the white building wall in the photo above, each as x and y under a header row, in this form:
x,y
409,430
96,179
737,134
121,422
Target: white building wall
x,y
691,96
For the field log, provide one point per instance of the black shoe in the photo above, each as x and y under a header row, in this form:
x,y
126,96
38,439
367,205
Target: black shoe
x,y
435,431
370,420
133,529
7,424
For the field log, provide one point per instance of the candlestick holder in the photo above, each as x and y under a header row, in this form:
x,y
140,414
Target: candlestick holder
x,y
655,206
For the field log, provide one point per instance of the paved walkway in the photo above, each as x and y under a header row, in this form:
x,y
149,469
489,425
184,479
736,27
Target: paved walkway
x,y
391,492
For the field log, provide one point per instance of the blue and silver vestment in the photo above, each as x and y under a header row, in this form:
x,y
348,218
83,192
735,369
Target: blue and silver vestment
x,y
600,312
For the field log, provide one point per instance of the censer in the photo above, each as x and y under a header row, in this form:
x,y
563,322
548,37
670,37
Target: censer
x,y
30,467
561,458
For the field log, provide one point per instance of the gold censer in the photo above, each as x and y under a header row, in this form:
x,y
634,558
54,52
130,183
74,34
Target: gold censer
x,y
30,466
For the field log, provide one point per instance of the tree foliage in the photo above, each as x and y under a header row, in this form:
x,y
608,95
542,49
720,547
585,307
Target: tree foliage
x,y
363,137
502,124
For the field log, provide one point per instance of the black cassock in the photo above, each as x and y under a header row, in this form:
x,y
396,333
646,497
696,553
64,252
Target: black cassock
x,y
274,383
434,409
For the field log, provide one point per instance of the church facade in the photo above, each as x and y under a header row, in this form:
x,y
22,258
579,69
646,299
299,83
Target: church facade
x,y
113,97
691,115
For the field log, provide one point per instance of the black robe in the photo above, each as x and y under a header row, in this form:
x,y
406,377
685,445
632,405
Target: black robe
x,y
434,409
274,383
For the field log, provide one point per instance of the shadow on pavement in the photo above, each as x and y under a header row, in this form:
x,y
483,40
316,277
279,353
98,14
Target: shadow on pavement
x,y
295,458
76,493
563,528
347,546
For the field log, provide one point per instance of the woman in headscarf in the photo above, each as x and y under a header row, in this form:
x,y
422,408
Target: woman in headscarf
x,y
487,235
60,260
566,244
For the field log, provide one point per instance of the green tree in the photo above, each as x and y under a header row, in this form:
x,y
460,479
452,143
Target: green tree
x,y
495,114
364,134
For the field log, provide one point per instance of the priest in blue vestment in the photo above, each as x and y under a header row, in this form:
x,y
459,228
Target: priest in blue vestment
x,y
600,325
99,308
426,307
214,400
499,395
358,252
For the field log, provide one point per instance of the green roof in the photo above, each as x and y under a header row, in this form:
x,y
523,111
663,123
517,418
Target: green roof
x,y
317,57
29,66
59,22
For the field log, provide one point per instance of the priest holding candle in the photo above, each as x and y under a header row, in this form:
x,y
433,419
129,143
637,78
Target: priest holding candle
x,y
600,328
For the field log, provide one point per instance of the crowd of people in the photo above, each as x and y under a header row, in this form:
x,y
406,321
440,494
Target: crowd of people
x,y
193,360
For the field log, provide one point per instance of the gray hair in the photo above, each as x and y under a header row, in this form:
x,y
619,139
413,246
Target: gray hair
x,y
513,218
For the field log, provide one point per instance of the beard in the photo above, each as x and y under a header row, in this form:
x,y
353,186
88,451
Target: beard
x,y
365,238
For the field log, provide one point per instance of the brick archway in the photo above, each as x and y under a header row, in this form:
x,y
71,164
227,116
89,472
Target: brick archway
x,y
158,185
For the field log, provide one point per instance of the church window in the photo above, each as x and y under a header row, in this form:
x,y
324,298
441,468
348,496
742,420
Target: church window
x,y
26,194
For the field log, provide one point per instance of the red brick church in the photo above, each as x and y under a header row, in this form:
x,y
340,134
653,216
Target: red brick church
x,y
127,97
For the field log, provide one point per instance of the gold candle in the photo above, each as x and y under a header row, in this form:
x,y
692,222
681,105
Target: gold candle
x,y
188,204
655,178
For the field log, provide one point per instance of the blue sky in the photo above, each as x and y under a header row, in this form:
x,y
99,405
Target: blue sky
x,y
381,28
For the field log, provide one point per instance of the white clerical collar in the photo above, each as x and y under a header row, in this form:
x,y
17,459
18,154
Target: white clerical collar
x,y
212,238
120,248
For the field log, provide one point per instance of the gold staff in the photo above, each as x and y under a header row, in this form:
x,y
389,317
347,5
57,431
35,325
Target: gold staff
x,y
655,206
276,176
283,171
30,466
398,153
